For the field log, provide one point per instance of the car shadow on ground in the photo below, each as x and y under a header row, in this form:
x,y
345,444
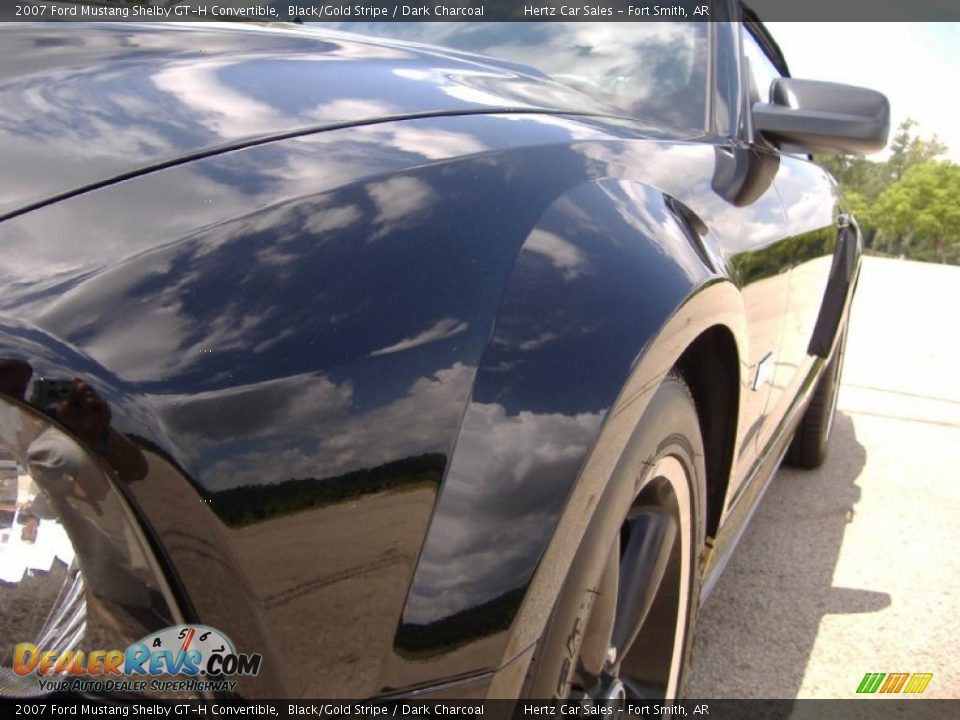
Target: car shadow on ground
x,y
757,629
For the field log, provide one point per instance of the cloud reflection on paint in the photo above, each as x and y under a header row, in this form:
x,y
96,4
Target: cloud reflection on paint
x,y
523,456
564,255
80,108
440,330
309,426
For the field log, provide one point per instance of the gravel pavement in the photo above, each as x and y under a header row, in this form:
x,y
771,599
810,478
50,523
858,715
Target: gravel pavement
x,y
854,567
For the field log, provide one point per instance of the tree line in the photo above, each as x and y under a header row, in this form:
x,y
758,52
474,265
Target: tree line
x,y
907,205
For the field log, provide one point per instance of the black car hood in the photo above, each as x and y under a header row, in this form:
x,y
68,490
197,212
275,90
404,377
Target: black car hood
x,y
82,105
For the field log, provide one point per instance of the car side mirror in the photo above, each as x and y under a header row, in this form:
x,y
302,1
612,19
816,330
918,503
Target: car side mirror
x,y
823,117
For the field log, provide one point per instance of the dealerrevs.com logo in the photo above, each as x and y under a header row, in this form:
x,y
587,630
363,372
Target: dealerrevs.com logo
x,y
202,656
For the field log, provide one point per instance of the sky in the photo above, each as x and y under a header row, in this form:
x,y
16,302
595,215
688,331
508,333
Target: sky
x,y
917,65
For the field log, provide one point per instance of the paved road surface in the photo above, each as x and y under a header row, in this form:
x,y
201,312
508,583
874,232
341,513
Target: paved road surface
x,y
855,567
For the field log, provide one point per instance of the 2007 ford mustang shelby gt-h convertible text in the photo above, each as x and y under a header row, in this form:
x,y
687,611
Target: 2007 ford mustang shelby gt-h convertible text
x,y
421,359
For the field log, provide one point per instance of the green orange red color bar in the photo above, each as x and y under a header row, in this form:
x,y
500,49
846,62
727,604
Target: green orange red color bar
x,y
894,682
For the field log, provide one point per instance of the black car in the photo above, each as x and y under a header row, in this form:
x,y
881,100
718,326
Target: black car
x,y
445,364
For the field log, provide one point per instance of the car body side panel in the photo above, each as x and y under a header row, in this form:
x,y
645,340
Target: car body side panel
x,y
812,203
803,260
223,309
606,267
294,334
606,264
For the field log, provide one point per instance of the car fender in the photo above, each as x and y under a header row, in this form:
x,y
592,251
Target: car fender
x,y
607,291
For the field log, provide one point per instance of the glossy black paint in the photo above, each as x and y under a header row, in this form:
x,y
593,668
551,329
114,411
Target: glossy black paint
x,y
83,107
378,372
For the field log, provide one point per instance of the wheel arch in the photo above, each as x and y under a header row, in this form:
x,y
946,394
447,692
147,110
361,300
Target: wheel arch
x,y
710,365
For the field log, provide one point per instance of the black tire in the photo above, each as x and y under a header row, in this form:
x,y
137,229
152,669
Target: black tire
x,y
658,484
811,440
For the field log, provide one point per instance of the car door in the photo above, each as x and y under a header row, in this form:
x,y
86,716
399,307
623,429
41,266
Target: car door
x,y
811,202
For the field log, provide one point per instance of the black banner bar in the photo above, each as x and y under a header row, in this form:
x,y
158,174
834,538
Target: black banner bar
x,y
307,11
874,708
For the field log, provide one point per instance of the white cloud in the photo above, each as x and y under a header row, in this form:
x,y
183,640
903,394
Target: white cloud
x,y
228,112
430,143
398,200
563,254
305,426
351,110
505,466
539,341
336,218
440,330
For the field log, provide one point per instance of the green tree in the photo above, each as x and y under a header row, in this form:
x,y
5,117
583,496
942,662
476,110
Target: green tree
x,y
919,215
890,227
907,151
858,175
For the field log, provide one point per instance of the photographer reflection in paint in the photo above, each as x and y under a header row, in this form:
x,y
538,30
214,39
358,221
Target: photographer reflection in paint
x,y
67,524
76,405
